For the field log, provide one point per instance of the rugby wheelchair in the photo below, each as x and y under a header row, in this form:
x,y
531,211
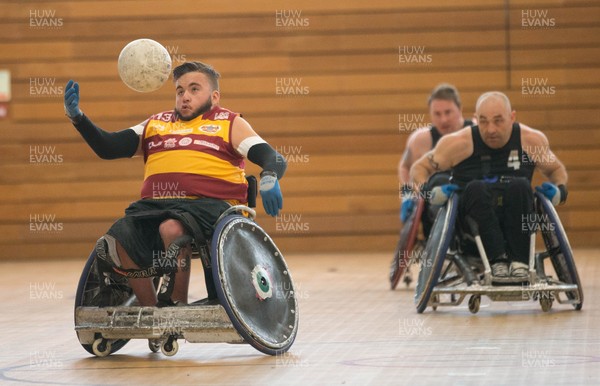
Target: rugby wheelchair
x,y
448,274
410,244
256,300
413,234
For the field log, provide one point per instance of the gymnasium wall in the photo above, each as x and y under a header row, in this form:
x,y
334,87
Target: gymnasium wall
x,y
336,87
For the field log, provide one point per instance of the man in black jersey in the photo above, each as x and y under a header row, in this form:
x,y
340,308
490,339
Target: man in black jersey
x,y
445,111
493,163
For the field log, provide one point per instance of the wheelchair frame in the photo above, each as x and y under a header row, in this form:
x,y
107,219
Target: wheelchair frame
x,y
407,243
445,272
107,317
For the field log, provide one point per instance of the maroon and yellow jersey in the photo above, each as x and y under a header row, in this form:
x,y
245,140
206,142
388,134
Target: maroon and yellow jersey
x,y
191,159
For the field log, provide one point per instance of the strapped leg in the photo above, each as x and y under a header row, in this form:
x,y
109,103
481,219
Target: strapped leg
x,y
171,261
113,257
202,246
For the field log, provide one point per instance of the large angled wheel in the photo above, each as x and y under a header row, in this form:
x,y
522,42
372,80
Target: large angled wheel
x,y
434,255
406,244
254,285
558,248
92,293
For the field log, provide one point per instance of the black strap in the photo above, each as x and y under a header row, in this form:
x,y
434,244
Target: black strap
x,y
138,273
166,289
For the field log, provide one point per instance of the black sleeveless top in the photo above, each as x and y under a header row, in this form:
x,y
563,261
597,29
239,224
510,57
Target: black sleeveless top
x,y
492,164
435,134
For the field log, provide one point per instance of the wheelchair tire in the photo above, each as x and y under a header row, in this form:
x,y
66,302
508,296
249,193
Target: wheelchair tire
x,y
406,244
434,255
88,295
558,247
254,285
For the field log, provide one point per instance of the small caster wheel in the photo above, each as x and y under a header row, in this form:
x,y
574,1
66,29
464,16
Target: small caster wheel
x,y
101,347
434,301
169,347
407,279
546,303
154,345
474,302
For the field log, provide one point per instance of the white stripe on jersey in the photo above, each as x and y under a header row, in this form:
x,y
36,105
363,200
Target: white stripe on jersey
x,y
247,143
139,128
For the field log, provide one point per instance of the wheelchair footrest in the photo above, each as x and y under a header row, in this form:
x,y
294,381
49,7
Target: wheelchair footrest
x,y
196,324
508,293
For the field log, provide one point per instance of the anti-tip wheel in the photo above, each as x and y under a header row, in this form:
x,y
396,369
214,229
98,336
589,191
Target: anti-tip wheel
x,y
546,303
474,302
154,345
101,347
169,347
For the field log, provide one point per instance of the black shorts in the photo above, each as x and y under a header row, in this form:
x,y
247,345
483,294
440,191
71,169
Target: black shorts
x,y
138,233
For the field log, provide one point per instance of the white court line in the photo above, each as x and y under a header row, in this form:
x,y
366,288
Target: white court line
x,y
466,374
482,348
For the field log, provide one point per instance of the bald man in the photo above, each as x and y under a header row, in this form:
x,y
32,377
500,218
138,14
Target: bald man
x,y
493,164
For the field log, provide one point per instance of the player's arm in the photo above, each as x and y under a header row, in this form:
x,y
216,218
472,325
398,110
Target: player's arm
x,y
449,151
536,144
417,144
250,145
107,145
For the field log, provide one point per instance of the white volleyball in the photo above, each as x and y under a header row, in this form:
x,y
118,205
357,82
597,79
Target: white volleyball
x,y
144,65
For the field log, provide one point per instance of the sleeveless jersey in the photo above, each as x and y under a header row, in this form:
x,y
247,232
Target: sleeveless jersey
x,y
492,164
436,135
191,159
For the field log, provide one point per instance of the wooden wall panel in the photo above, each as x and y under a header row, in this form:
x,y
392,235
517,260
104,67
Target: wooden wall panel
x,y
343,138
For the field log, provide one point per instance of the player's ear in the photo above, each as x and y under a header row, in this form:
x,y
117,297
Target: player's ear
x,y
513,116
215,96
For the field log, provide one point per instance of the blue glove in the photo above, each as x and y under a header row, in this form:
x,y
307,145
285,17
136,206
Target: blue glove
x,y
440,194
408,205
271,194
556,194
72,100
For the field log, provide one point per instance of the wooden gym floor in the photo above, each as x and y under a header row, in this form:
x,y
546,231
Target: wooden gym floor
x,y
353,331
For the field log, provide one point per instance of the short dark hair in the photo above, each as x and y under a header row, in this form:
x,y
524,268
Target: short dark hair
x,y
445,92
206,69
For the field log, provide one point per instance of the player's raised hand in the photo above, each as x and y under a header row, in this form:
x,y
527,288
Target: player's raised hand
x,y
72,99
